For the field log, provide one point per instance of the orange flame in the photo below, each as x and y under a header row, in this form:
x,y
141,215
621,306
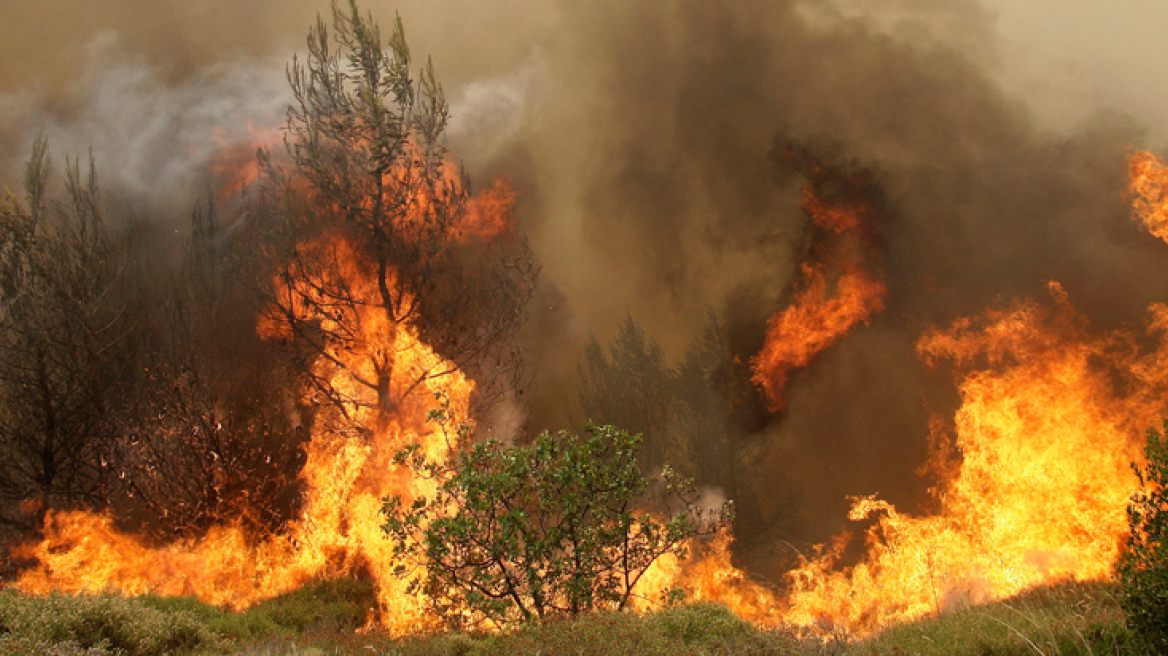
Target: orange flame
x,y
822,311
1050,422
816,320
1035,469
1148,186
491,213
1046,437
338,532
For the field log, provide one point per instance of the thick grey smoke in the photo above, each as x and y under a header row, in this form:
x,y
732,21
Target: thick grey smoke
x,y
155,143
640,134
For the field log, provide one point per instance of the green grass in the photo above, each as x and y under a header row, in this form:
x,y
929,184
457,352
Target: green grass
x,y
325,619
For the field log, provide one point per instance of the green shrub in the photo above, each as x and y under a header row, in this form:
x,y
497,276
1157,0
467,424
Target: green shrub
x,y
18,646
1143,566
530,532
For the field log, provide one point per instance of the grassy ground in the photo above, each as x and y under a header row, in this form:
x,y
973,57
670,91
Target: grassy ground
x,y
1072,618
325,619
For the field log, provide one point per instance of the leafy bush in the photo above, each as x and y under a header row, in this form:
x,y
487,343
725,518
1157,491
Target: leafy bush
x,y
1143,566
528,532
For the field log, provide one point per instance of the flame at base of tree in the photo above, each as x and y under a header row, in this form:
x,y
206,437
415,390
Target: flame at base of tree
x,y
337,534
376,385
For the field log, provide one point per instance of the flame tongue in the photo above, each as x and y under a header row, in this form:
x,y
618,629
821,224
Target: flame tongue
x,y
837,290
1148,186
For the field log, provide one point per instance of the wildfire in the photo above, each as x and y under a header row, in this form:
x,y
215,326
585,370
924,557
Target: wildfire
x,y
1047,429
347,472
1035,467
490,214
836,289
338,533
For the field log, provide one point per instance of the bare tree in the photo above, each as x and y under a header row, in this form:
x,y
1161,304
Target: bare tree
x,y
67,327
369,233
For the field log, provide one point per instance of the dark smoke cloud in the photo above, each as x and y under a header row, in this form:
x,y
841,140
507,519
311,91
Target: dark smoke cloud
x,y
640,133
661,200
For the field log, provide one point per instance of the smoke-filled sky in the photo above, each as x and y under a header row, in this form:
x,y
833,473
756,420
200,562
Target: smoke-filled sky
x,y
640,134
1064,60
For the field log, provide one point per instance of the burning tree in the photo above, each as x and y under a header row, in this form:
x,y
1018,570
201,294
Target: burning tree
x,y
384,280
375,232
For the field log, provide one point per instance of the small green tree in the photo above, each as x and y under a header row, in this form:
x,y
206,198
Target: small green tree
x,y
523,533
1143,566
